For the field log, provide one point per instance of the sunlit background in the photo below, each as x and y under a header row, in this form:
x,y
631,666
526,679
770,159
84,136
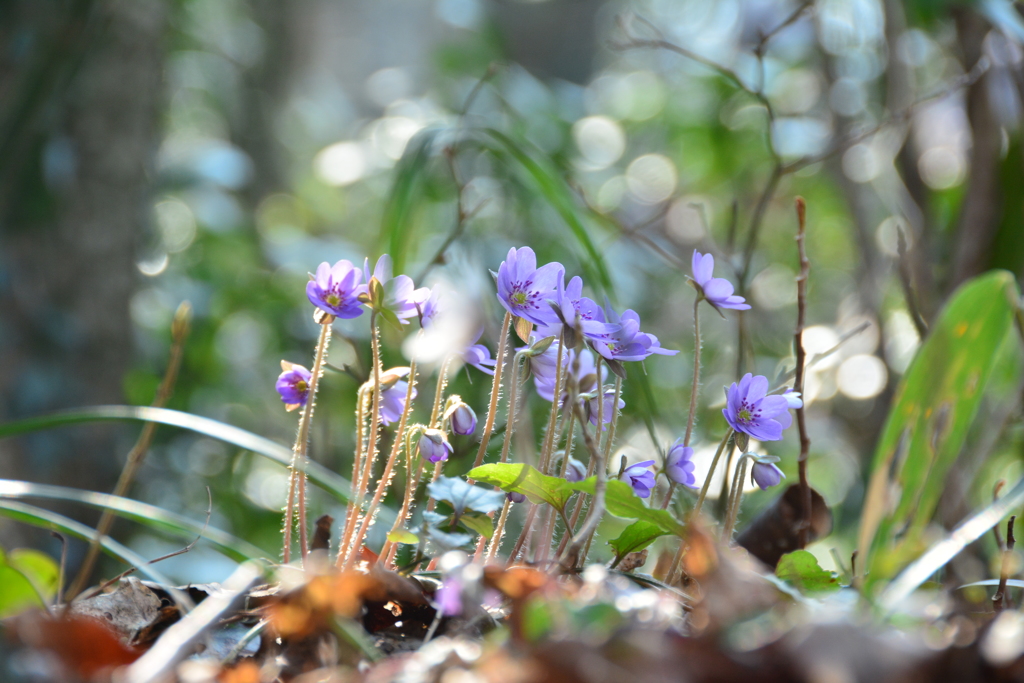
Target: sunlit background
x,y
289,133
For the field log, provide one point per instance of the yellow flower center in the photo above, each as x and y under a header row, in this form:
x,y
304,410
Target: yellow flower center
x,y
332,299
519,298
745,415
301,386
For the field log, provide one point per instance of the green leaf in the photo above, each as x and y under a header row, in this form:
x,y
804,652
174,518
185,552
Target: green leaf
x,y
403,536
397,224
16,592
935,405
527,480
39,568
620,501
636,537
148,515
478,522
800,569
537,618
464,496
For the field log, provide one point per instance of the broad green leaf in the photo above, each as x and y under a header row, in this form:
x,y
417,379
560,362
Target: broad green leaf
x,y
397,224
16,592
464,496
39,568
527,480
478,522
403,536
801,569
148,515
620,501
636,537
934,407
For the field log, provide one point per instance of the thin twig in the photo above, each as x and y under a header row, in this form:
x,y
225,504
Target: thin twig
x,y
798,383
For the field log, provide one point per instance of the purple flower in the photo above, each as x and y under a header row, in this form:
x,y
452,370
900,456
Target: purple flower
x,y
766,474
448,597
640,478
516,497
627,342
433,446
463,420
592,407
479,356
543,369
400,294
793,398
575,470
392,395
679,465
426,301
524,289
293,385
570,302
335,289
716,290
750,411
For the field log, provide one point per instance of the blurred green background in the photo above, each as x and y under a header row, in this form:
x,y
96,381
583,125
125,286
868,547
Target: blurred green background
x,y
217,151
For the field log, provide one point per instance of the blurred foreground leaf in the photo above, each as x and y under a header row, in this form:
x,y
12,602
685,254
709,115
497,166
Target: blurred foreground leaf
x,y
935,404
527,480
801,569
28,578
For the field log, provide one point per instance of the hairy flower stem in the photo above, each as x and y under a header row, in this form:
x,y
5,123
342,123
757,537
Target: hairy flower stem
x,y
371,448
676,568
386,475
691,418
733,505
510,428
550,437
351,511
297,474
387,552
597,508
607,448
492,410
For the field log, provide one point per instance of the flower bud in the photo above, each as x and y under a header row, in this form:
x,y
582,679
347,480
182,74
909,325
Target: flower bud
x,y
463,420
433,446
765,474
575,470
516,497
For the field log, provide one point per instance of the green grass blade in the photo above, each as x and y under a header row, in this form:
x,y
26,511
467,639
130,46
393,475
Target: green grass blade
x,y
334,484
397,222
30,514
547,181
148,515
945,550
935,405
318,474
